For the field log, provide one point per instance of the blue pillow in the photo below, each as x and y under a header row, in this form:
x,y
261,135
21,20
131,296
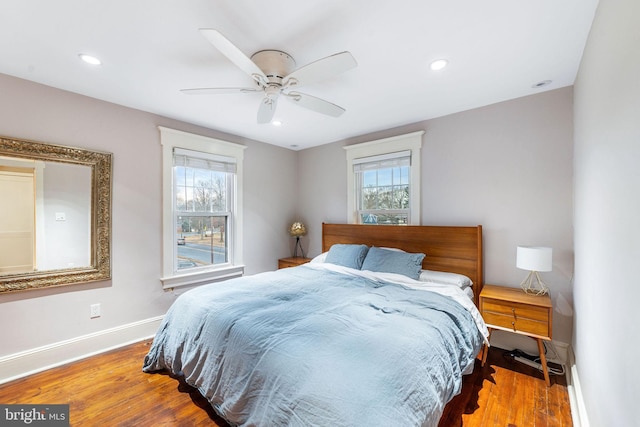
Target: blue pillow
x,y
388,261
347,255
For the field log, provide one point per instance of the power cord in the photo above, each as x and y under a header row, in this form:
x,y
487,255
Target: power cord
x,y
524,357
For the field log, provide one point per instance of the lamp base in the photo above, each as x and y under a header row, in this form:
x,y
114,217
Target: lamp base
x,y
298,245
534,285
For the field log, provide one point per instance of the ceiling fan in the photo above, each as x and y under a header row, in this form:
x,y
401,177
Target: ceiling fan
x,y
275,75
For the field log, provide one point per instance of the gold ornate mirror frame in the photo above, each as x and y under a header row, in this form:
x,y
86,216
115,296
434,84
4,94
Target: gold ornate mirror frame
x,y
100,245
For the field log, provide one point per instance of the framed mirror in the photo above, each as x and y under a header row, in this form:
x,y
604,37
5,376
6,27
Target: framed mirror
x,y
55,215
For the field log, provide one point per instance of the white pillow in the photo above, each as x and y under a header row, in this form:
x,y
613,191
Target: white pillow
x,y
468,292
459,280
320,258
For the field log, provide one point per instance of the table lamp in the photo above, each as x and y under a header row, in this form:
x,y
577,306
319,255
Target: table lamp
x,y
296,230
534,259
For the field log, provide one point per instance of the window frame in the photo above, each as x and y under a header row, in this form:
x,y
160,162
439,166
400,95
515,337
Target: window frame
x,y
357,152
171,277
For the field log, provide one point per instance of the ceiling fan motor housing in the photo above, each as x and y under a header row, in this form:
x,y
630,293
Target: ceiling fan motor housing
x,y
275,64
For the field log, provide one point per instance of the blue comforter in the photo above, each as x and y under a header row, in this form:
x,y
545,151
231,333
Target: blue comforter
x,y
309,347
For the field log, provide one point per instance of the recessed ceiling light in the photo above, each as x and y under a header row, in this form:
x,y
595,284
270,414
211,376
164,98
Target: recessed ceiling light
x,y
439,64
541,84
90,59
276,123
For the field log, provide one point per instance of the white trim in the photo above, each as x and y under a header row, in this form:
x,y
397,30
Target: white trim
x,y
396,141
22,364
198,278
410,141
576,398
170,139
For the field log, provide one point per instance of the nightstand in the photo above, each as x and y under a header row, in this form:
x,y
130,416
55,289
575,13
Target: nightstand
x,y
292,261
511,309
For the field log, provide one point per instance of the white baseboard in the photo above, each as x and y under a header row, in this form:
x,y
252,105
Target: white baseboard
x,y
576,399
39,359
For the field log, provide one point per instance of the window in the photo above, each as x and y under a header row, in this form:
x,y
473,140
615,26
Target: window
x,y
384,180
203,197
382,188
202,209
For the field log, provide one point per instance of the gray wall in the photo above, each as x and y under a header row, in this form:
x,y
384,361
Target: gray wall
x,y
40,317
607,208
507,167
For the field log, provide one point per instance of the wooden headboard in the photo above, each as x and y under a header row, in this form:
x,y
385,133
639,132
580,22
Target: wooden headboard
x,y
447,248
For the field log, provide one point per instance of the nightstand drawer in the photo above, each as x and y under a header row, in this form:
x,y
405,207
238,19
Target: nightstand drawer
x,y
517,324
516,317
514,309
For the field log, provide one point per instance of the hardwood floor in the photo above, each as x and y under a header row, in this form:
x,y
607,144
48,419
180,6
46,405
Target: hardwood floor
x,y
111,390
510,394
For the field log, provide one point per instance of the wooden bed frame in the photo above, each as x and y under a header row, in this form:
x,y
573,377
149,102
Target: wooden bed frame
x,y
447,248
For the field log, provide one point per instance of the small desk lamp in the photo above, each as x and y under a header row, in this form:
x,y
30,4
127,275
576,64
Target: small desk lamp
x,y
296,230
534,259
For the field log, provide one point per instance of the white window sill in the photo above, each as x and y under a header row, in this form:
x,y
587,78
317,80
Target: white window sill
x,y
202,277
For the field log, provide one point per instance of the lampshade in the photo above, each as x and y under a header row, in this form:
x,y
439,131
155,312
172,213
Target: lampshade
x,y
297,229
534,258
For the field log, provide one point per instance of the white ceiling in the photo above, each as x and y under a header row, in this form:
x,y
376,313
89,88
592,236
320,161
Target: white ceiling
x,y
497,49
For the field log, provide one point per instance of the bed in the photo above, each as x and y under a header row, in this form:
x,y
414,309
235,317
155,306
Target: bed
x,y
371,332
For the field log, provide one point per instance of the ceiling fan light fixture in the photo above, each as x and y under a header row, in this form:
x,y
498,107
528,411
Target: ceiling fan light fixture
x,y
438,64
89,59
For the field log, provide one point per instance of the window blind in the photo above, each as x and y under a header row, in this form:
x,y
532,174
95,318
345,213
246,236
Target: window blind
x,y
206,161
383,161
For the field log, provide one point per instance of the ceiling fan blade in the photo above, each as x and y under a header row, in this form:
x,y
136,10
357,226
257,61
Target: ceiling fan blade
x,y
316,104
218,90
322,69
267,109
234,54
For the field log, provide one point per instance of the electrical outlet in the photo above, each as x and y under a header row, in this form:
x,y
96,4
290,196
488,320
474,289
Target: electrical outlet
x,y
95,310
